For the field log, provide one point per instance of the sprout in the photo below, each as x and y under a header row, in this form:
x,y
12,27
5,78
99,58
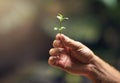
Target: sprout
x,y
61,18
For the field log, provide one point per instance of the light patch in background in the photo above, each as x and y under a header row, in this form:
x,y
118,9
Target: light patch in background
x,y
15,13
110,3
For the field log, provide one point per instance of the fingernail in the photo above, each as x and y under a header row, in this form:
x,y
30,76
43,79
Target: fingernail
x,y
56,43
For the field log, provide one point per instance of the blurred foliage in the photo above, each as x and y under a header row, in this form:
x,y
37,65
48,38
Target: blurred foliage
x,y
72,78
26,35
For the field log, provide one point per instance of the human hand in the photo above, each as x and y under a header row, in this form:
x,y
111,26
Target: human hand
x,y
74,57
71,56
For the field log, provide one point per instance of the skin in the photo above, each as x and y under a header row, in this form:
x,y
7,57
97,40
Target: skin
x,y
76,58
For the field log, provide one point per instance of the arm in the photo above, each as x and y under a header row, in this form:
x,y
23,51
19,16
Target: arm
x,y
74,57
102,72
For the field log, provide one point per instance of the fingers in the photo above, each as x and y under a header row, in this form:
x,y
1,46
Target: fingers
x,y
57,43
62,61
53,60
69,42
58,58
56,51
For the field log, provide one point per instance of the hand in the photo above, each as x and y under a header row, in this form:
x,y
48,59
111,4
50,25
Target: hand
x,y
71,56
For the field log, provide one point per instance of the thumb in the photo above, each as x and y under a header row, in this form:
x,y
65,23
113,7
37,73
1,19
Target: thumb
x,y
69,42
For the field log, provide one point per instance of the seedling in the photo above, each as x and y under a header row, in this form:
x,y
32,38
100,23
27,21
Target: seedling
x,y
61,18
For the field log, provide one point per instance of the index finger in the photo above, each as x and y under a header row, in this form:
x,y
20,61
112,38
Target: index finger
x,y
69,42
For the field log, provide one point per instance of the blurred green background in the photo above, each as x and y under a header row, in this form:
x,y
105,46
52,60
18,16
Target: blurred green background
x,y
26,35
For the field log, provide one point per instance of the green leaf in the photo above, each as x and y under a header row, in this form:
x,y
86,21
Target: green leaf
x,y
55,28
63,27
66,18
60,17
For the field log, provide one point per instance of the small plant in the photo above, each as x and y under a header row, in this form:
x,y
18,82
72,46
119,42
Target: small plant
x,y
61,18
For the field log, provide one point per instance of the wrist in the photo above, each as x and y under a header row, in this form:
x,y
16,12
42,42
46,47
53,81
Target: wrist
x,y
101,72
96,73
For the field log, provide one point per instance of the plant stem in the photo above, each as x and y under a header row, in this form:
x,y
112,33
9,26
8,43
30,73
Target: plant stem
x,y
60,27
